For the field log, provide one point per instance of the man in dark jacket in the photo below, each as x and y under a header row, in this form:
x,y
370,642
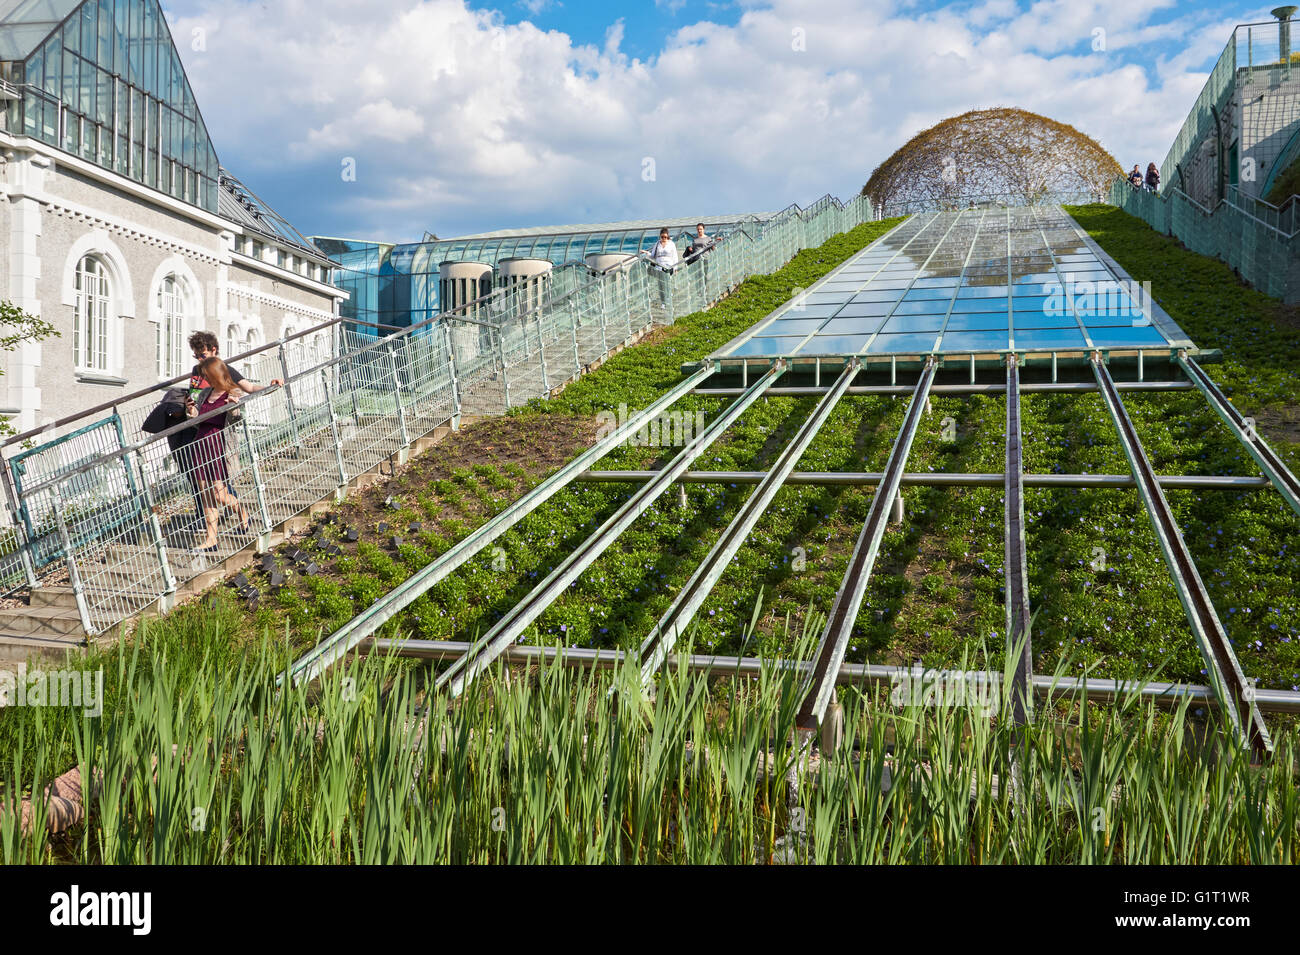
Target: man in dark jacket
x,y
167,414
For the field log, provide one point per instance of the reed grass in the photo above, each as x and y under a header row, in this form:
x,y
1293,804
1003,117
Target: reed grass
x,y
201,763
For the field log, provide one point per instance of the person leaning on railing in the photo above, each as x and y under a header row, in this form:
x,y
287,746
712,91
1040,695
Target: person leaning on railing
x,y
205,345
664,254
208,456
701,244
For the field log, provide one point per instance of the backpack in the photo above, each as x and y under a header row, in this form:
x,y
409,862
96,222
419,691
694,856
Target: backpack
x,y
167,413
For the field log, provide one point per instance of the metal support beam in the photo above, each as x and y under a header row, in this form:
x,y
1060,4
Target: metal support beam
x,y
844,611
664,636
335,434
939,479
342,641
1015,564
1236,695
510,627
990,388
1046,687
1278,473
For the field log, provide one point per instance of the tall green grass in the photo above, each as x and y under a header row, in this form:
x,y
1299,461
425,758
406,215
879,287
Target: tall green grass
x,y
213,765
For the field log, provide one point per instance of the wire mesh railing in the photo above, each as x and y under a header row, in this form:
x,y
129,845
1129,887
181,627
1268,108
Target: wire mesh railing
x,y
124,517
1260,252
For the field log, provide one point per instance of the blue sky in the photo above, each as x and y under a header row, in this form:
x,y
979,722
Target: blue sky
x,y
459,117
646,25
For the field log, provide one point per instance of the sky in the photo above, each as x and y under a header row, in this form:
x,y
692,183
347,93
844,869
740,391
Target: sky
x,y
382,121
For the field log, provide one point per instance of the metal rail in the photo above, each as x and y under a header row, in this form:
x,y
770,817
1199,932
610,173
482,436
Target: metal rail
x,y
991,388
939,479
844,611
518,618
663,636
362,626
1045,688
1278,473
1226,677
1015,564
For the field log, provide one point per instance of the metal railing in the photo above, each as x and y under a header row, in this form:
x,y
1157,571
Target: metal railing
x,y
1238,232
125,518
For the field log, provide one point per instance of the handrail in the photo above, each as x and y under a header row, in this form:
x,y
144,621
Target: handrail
x,y
164,385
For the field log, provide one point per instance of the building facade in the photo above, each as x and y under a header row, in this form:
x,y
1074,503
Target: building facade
x,y
117,224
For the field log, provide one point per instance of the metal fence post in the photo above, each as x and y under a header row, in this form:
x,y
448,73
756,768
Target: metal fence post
x,y
338,436
264,539
288,393
573,317
451,371
20,530
74,576
397,396
159,542
541,357
603,289
501,350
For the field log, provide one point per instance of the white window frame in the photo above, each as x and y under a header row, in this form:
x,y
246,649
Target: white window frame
x,y
173,326
92,335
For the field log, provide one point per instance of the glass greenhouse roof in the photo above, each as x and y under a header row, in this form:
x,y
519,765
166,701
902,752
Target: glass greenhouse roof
x,y
101,79
24,24
631,225
976,281
238,203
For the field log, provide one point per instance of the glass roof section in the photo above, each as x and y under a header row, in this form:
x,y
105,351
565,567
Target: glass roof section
x,y
633,225
977,281
238,203
24,24
102,80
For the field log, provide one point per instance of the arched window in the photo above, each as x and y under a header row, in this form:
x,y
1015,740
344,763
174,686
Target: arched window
x,y
171,328
232,340
90,337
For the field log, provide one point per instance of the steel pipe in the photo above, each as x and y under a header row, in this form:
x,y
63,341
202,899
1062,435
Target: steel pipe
x,y
988,388
1046,687
939,479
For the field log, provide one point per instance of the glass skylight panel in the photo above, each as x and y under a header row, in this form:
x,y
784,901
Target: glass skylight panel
x,y
969,282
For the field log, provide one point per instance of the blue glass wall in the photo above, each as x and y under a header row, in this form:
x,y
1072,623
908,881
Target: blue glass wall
x,y
398,284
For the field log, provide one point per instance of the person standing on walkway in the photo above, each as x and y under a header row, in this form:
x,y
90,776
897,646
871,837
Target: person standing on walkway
x,y
664,254
208,453
701,244
1153,177
1135,177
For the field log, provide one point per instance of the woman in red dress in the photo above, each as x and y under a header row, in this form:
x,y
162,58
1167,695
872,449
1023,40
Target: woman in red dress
x,y
209,454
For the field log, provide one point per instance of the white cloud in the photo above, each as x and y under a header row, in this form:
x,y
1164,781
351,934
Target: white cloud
x,y
459,121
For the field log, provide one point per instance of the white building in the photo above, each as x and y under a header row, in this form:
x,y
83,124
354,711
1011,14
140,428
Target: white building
x,y
117,225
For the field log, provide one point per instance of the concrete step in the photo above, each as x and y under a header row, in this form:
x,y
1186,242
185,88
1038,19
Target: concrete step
x,y
59,598
43,622
21,648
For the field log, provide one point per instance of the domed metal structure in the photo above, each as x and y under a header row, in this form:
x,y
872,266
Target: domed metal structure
x,y
1002,154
